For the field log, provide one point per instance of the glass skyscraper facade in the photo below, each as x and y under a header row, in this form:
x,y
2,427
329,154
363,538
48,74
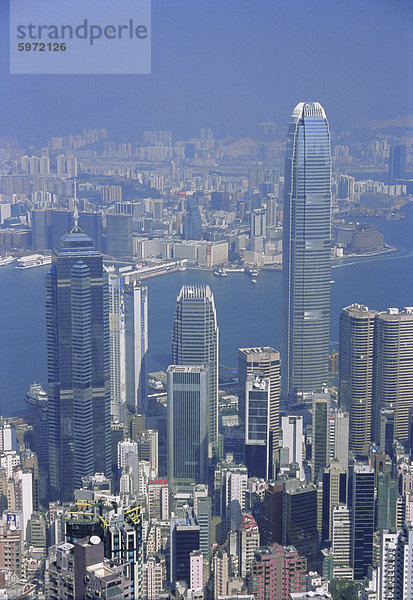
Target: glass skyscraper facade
x,y
187,424
78,365
306,252
363,519
195,342
264,360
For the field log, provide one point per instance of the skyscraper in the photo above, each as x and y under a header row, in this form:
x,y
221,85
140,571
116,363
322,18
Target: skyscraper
x,y
192,219
117,343
341,541
339,434
320,435
363,519
291,454
257,426
195,342
187,424
119,235
78,364
334,493
184,539
376,361
136,342
397,163
128,331
394,369
299,518
356,340
264,360
306,252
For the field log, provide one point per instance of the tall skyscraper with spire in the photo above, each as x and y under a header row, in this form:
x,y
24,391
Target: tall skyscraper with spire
x,y
195,342
78,364
306,252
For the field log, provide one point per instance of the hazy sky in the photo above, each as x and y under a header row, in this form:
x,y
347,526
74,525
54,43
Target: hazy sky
x,y
228,64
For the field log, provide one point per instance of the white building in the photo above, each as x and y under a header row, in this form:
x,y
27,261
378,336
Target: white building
x,y
292,444
339,422
196,567
341,542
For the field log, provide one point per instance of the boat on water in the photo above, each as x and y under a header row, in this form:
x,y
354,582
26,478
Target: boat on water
x,y
332,281
33,260
252,271
6,260
36,395
155,384
220,272
254,281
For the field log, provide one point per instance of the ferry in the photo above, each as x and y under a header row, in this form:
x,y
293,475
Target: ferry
x,y
36,395
155,384
33,260
6,260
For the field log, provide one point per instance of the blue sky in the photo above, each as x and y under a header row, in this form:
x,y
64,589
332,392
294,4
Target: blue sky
x,y
228,64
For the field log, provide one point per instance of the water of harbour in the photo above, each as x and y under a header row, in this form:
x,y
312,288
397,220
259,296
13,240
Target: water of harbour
x,y
248,314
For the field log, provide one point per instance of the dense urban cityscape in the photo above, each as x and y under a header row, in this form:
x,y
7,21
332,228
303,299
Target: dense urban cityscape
x,y
278,479
255,440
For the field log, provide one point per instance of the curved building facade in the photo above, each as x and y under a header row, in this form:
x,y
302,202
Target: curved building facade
x,y
306,252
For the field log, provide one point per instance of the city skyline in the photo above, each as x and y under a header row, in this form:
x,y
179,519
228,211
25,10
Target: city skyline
x,y
187,262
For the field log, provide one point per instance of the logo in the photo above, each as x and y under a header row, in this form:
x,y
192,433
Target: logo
x,y
85,37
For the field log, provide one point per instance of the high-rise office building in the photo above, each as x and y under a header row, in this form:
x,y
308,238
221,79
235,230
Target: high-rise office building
x,y
376,360
78,364
291,454
397,163
264,360
363,519
203,512
117,344
320,434
356,342
341,542
258,229
128,331
387,495
386,430
394,369
306,252
338,428
187,424
299,516
49,224
136,345
183,541
192,220
335,482
195,342
257,426
230,485
119,235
